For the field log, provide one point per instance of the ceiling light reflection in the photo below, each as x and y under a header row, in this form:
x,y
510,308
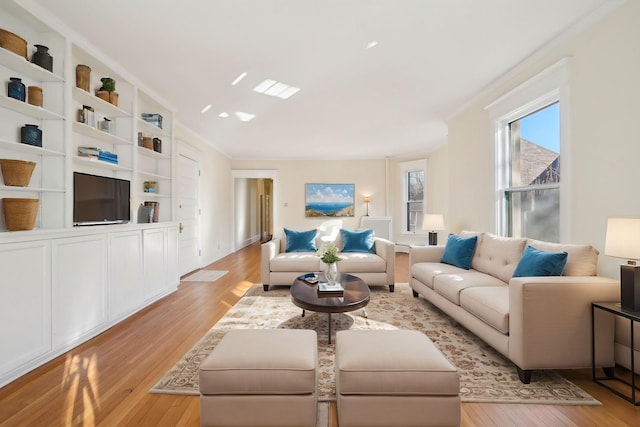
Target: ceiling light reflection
x,y
224,115
240,77
205,109
244,117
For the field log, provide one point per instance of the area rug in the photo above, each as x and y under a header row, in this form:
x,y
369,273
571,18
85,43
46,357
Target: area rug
x,y
485,375
205,276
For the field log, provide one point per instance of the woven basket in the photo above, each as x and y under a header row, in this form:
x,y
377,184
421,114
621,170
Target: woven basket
x,y
20,214
16,172
13,42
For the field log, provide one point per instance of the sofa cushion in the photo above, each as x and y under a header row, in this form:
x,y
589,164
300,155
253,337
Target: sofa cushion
x,y
361,262
450,285
301,241
535,263
459,251
357,241
489,304
498,256
303,262
426,272
581,261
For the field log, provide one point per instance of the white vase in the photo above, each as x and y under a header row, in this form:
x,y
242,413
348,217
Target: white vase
x,y
332,273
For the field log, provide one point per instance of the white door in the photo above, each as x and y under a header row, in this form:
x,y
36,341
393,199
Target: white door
x,y
189,214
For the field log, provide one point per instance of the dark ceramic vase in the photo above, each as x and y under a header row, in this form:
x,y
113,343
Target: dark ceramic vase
x,y
42,58
16,89
30,134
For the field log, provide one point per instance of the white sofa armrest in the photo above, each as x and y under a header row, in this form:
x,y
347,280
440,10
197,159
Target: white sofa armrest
x,y
386,249
268,250
550,321
425,254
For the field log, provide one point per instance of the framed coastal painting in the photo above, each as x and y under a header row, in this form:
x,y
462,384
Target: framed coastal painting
x,y
329,200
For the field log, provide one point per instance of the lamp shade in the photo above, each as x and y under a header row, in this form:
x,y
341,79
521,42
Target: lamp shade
x,y
433,222
367,199
623,238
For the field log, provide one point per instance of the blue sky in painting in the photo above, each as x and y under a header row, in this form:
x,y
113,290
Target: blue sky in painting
x,y
329,193
543,127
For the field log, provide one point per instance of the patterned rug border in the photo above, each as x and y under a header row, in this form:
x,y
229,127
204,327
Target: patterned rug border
x,y
495,376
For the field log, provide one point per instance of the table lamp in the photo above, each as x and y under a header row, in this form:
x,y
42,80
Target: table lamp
x,y
367,199
433,222
623,241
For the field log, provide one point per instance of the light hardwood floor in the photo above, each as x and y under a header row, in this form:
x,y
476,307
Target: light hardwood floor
x,y
105,381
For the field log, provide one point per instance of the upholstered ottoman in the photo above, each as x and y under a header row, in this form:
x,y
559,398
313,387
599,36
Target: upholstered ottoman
x,y
394,378
263,377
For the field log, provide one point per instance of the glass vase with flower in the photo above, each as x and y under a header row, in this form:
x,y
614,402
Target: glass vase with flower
x,y
328,253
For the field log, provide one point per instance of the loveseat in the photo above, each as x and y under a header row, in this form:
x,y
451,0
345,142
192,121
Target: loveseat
x,y
280,267
536,322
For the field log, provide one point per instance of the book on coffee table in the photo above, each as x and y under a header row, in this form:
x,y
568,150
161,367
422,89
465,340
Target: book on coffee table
x,y
333,290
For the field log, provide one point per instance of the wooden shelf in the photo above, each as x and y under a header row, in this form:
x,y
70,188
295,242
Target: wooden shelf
x,y
28,149
99,134
21,66
94,162
100,105
28,109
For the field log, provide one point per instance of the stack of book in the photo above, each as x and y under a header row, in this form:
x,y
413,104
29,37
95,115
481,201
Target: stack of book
x,y
335,290
98,154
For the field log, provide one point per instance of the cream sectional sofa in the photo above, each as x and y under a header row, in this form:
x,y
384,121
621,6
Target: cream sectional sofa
x,y
279,267
536,322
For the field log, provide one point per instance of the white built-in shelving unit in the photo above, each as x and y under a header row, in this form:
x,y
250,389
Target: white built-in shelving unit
x,y
72,283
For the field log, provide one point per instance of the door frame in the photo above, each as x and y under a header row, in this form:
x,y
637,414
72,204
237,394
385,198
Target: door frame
x,y
253,173
192,153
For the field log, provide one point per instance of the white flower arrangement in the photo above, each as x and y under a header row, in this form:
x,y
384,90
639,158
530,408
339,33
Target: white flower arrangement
x,y
328,253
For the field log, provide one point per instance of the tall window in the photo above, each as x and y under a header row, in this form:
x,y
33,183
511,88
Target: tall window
x,y
414,177
532,192
530,124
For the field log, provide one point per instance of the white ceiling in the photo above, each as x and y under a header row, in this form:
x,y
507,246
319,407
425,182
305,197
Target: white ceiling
x,y
392,100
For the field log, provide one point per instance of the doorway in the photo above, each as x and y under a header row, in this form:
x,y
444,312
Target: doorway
x,y
188,184
254,215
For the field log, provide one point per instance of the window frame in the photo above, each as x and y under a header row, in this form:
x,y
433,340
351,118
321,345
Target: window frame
x,y
405,169
548,87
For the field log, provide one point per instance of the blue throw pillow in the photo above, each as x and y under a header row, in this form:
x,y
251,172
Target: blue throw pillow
x,y
538,263
459,251
301,241
358,241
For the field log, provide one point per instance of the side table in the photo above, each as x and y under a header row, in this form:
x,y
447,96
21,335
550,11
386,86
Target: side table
x,y
616,310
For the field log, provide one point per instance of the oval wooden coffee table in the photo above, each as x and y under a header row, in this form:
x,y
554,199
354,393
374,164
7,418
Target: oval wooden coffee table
x,y
356,295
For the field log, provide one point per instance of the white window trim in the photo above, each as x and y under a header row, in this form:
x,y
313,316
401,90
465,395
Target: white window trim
x,y
405,168
549,86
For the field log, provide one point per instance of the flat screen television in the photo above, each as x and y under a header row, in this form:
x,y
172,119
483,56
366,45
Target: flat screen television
x,y
99,200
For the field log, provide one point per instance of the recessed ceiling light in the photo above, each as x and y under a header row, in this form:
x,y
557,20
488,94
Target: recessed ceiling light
x,y
244,117
240,77
277,89
224,115
205,109
372,44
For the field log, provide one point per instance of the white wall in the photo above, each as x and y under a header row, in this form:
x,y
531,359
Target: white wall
x,y
215,198
369,177
604,139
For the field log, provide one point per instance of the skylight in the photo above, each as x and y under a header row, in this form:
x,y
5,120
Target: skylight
x,y
276,89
